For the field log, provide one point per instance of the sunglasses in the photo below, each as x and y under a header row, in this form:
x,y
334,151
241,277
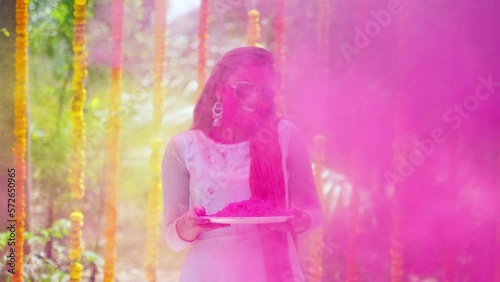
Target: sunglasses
x,y
243,90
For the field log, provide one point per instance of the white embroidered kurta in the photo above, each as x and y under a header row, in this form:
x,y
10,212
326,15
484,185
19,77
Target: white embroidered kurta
x,y
197,171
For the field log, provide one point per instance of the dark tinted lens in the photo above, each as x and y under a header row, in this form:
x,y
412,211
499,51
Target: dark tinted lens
x,y
267,92
243,90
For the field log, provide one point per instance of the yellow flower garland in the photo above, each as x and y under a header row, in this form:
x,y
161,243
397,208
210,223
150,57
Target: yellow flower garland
x,y
153,211
78,136
159,57
76,248
154,194
79,95
113,159
20,129
202,45
253,28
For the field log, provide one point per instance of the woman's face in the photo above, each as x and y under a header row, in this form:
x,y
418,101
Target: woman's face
x,y
248,94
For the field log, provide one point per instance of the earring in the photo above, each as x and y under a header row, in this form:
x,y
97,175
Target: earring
x,y
217,111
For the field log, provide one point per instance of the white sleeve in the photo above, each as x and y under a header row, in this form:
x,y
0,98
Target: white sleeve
x,y
301,185
175,186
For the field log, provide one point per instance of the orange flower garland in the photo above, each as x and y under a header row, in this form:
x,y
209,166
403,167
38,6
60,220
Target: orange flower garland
x,y
154,194
20,130
316,265
279,53
76,248
353,224
78,135
253,28
396,250
400,148
202,45
113,161
323,34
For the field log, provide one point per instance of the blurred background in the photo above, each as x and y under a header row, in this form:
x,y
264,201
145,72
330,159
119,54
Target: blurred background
x,y
399,101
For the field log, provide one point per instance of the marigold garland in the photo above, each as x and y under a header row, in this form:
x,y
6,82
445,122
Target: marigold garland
x,y
323,34
353,226
78,136
76,248
400,148
202,45
279,53
153,211
113,160
396,249
154,194
79,96
20,130
497,263
253,28
316,265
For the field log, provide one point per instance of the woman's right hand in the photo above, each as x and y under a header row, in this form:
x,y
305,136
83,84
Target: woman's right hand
x,y
191,224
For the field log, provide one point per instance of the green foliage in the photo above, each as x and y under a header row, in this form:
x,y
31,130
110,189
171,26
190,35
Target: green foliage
x,y
50,80
5,31
40,266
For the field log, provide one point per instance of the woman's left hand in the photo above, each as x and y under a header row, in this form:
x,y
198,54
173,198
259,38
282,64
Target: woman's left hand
x,y
299,222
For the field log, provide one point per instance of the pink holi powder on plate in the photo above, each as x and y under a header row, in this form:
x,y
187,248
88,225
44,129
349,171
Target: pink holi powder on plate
x,y
251,208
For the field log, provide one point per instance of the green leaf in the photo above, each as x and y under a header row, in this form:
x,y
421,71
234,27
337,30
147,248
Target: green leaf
x,y
3,239
5,31
92,257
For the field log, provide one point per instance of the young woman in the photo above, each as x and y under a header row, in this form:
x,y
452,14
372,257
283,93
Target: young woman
x,y
238,149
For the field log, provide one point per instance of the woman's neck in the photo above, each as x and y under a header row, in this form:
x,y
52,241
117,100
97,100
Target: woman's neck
x,y
228,134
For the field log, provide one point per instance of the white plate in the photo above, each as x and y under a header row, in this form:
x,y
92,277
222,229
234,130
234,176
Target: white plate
x,y
248,219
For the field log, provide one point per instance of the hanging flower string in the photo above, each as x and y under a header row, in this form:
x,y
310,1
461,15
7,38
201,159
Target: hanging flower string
x,y
396,249
76,248
154,194
202,45
78,136
400,148
353,224
497,263
113,160
20,130
279,52
316,265
253,28
153,211
79,96
323,34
